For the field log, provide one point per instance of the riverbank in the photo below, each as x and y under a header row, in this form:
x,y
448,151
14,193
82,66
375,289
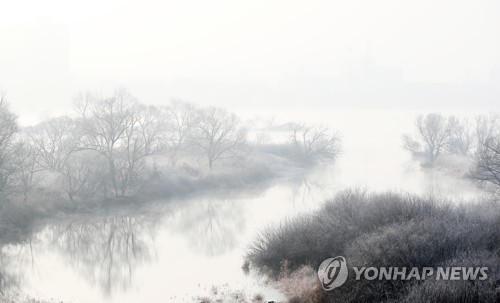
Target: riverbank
x,y
19,219
382,230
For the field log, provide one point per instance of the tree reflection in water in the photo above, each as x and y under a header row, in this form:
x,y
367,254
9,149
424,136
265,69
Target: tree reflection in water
x,y
105,251
8,279
307,189
211,227
13,258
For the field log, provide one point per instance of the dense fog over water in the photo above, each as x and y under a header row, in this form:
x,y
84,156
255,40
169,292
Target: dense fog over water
x,y
180,249
220,151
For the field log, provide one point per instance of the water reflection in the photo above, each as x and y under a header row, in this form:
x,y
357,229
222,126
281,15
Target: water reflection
x,y
308,189
211,227
180,245
14,259
7,279
188,242
107,251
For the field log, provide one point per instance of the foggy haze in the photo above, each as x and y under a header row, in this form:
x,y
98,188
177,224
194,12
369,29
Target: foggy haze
x,y
249,151
352,54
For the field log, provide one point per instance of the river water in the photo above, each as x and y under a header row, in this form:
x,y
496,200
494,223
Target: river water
x,y
177,251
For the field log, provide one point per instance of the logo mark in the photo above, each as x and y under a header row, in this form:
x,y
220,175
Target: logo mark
x,y
333,272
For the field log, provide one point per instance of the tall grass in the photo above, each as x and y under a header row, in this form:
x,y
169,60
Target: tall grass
x,y
432,291
385,229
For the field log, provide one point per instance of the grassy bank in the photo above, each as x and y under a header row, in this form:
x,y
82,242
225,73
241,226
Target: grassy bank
x,y
19,218
385,229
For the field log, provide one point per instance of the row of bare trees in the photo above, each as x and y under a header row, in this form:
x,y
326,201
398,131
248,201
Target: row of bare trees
x,y
478,139
113,145
110,144
8,128
436,134
123,133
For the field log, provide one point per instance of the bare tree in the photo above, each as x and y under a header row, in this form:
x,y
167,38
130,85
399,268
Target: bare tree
x,y
217,133
104,122
27,167
145,137
54,146
462,140
316,142
123,132
411,145
486,170
55,141
487,163
8,124
486,127
81,177
434,133
180,121
8,128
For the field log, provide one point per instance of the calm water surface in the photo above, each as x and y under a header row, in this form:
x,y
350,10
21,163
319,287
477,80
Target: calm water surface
x,y
178,250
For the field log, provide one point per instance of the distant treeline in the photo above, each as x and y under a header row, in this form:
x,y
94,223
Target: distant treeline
x,y
115,146
478,139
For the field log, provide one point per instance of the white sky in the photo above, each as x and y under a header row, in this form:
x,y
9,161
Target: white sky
x,y
428,54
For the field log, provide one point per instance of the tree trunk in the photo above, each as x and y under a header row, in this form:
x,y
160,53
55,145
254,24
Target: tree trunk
x,y
113,175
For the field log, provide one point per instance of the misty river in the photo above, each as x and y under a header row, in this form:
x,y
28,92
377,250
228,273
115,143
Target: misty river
x,y
179,249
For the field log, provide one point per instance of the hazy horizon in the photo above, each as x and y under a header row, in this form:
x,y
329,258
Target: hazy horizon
x,y
358,54
249,151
